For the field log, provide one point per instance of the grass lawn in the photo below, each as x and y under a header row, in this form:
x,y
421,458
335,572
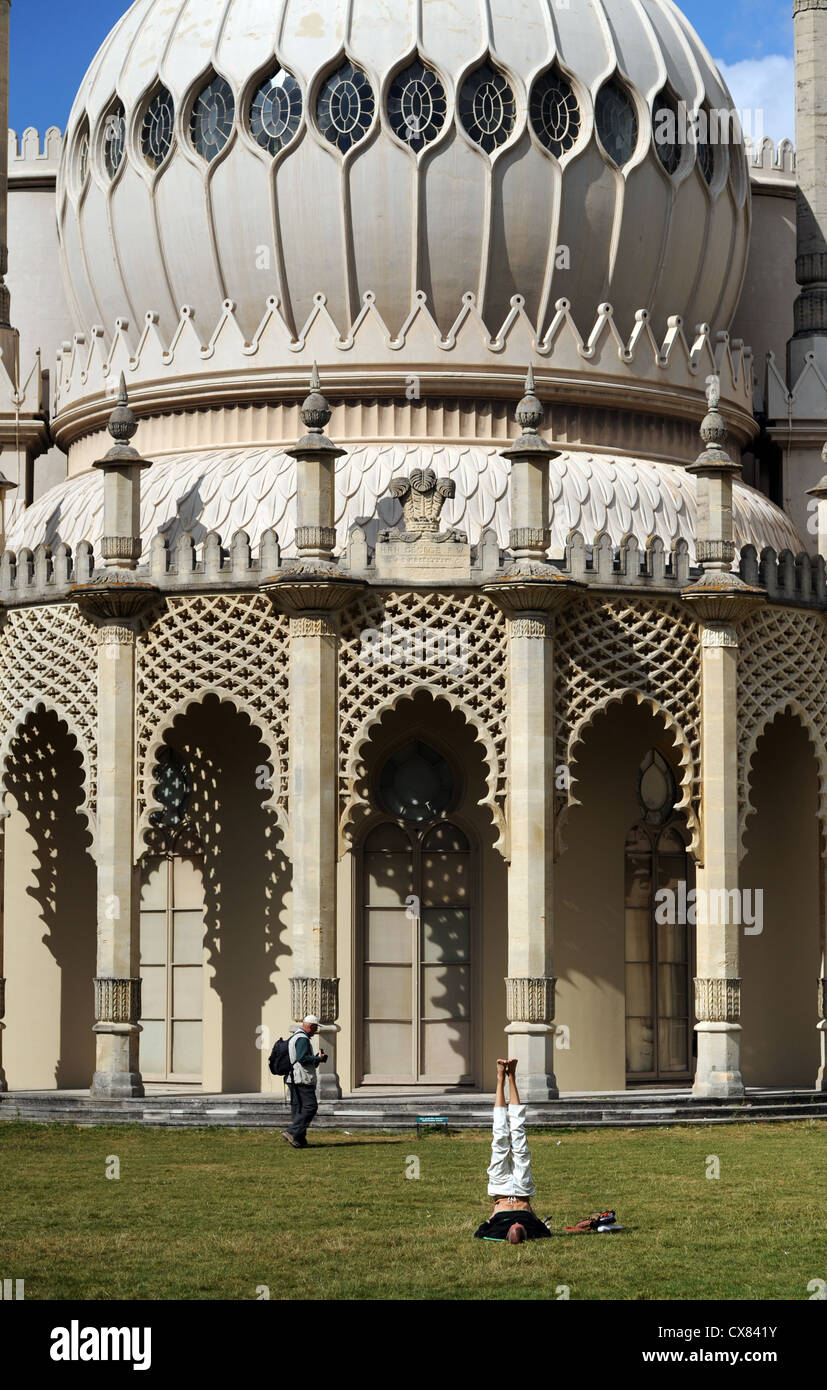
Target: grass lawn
x,y
213,1213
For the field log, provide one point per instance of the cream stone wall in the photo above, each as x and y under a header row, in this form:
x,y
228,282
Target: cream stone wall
x,y
780,967
764,318
49,916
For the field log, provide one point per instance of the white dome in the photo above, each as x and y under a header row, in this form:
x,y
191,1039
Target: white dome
x,y
273,205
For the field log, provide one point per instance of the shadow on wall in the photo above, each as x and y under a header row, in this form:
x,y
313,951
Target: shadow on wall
x,y
246,877
45,783
780,965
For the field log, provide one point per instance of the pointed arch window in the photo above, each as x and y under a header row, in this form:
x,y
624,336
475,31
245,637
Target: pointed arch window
x,y
158,127
665,131
345,107
276,111
554,112
212,118
417,106
487,107
114,139
659,933
616,121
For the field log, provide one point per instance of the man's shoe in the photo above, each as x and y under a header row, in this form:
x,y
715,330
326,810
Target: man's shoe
x,y
302,1143
286,1135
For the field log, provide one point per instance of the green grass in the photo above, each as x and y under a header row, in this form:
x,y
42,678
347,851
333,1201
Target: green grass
x,y
211,1214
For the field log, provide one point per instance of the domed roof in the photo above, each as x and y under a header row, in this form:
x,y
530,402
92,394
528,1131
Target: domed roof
x,y
254,489
239,149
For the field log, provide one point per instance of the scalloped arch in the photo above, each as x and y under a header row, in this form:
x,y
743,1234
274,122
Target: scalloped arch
x,y
746,808
682,745
355,801
275,802
29,712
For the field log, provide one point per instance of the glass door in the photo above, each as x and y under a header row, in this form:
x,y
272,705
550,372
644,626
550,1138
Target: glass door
x,y
172,971
417,956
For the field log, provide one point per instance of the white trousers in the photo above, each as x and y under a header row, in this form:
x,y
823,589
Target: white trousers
x,y
509,1173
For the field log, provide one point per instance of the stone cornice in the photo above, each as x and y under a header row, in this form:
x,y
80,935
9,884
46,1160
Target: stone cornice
x,y
195,370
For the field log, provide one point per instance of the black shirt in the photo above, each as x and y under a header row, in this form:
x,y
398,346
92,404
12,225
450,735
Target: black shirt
x,y
497,1227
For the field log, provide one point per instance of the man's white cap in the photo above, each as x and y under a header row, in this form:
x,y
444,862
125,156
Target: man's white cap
x,y
310,1018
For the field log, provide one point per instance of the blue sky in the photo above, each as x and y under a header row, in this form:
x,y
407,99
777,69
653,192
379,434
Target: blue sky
x,y
53,43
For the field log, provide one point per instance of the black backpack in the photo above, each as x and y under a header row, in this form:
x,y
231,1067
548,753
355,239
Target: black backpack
x,y
280,1064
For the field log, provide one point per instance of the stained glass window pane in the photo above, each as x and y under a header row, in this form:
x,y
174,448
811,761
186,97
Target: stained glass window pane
x,y
616,122
706,159
211,122
417,106
665,127
83,158
554,113
276,111
487,107
345,107
157,128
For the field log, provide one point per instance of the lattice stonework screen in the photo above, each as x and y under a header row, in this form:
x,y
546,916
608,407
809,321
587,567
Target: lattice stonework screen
x,y
393,645
782,665
48,658
234,646
609,648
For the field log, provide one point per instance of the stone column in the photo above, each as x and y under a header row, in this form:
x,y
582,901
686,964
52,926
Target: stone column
x,y
719,600
3,1083
8,335
115,599
529,592
311,591
810,309
820,493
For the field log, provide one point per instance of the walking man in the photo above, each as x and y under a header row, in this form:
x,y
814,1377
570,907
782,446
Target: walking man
x,y
304,1063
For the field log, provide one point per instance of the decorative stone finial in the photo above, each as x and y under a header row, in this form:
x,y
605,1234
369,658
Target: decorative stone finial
x,y
529,412
315,411
713,426
122,425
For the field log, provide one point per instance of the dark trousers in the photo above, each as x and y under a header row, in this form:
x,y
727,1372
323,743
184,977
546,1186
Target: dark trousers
x,y
303,1107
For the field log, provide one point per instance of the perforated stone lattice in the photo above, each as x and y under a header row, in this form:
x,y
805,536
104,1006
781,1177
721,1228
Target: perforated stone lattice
x,y
606,649
48,657
234,646
468,669
782,665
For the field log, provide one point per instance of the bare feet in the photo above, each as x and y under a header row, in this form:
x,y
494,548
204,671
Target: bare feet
x,y
511,1066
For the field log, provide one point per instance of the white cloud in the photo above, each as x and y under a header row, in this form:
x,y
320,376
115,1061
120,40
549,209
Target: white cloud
x,y
763,91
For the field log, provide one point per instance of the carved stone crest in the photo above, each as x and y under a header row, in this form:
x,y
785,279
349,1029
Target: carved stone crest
x,y
423,495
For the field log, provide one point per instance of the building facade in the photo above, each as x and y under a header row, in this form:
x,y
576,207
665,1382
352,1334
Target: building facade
x,y
413,588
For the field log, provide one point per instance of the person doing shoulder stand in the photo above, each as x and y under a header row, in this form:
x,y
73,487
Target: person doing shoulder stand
x,y
509,1173
304,1063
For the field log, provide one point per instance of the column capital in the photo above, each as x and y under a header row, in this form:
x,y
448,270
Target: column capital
x,y
719,635
314,994
718,1000
530,999
720,597
311,587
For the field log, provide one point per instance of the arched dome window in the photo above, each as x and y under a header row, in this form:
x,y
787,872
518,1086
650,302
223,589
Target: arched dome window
x,y
211,122
114,139
345,107
706,144
417,106
554,112
616,122
82,157
487,107
276,111
665,129
157,127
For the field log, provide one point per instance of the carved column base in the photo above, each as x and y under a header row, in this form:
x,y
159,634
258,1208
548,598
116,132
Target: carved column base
x,y
3,1085
821,1075
718,1010
328,1086
117,1033
529,1007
